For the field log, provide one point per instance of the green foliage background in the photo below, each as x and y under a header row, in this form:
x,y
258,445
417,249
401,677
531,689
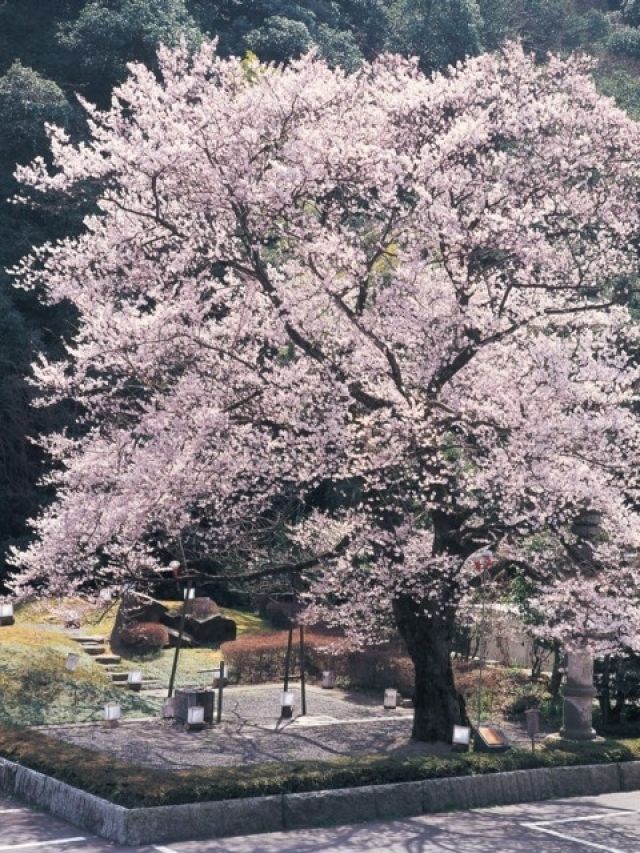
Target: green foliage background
x,y
49,51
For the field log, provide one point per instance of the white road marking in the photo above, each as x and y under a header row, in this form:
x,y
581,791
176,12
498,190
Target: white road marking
x,y
28,845
543,826
601,816
164,850
575,840
10,811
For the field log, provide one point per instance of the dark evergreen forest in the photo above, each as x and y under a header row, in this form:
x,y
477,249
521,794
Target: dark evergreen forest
x,y
53,50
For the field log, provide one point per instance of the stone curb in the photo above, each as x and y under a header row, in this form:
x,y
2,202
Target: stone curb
x,y
161,824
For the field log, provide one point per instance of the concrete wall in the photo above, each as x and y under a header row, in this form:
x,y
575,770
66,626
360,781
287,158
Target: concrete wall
x,y
319,808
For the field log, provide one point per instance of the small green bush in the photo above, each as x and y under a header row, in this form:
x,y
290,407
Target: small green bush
x,y
625,42
144,636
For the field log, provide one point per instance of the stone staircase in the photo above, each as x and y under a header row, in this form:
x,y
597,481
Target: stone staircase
x,y
96,647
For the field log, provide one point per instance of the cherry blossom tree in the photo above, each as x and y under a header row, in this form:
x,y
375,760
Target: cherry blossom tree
x,y
407,293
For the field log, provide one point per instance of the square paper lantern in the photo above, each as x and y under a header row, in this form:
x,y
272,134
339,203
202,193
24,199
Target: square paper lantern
x,y
461,737
72,662
390,699
112,714
286,704
6,614
195,718
134,680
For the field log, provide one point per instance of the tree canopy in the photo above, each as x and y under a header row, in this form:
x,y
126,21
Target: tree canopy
x,y
49,52
298,279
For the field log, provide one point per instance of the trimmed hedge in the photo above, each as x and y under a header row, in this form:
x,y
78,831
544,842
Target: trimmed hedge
x,y
261,658
132,786
144,636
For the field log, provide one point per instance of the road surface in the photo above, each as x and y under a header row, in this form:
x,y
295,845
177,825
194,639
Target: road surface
x,y
610,822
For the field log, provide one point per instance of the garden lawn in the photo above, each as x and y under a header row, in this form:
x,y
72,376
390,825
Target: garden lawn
x,y
194,666
36,689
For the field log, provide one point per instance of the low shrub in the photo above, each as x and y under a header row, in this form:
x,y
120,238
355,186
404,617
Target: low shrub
x,y
202,608
132,786
376,669
262,658
144,636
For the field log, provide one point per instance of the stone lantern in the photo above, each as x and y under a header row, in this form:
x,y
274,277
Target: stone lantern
x,y
578,695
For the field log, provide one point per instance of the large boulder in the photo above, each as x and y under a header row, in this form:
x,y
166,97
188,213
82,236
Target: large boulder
x,y
212,630
135,607
139,607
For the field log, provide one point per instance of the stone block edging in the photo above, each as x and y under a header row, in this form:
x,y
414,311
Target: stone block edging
x,y
275,813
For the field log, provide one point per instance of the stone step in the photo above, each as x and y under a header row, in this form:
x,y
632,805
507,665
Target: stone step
x,y
88,640
107,660
94,651
119,676
146,684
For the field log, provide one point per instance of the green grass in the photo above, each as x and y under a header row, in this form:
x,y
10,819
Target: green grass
x,y
35,688
133,786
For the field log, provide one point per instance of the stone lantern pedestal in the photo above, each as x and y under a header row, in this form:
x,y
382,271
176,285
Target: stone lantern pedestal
x,y
578,694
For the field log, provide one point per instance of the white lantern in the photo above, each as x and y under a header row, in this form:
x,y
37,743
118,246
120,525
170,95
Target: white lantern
x,y
112,714
134,680
328,679
112,711
461,735
390,698
195,718
6,614
190,593
195,715
72,662
286,704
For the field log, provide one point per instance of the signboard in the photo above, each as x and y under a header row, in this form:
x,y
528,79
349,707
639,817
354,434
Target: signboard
x,y
490,738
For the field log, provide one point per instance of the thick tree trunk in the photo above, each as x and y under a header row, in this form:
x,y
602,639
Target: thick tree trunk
x,y
428,638
556,673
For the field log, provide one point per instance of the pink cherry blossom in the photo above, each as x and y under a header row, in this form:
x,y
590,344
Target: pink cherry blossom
x,y
297,277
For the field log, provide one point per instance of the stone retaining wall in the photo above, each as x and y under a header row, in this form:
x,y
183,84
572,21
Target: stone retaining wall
x,y
163,824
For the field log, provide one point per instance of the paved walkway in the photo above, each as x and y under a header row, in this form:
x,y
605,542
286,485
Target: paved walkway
x,y
609,823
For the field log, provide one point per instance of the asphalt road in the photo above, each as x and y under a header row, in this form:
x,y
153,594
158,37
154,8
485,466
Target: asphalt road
x,y
610,822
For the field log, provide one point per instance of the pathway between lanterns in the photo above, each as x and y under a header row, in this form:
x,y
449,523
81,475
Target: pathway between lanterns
x,y
339,723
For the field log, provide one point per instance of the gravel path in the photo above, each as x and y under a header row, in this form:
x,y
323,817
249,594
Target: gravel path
x,y
338,723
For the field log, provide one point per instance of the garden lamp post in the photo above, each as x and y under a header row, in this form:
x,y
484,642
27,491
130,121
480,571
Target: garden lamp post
x,y
481,561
